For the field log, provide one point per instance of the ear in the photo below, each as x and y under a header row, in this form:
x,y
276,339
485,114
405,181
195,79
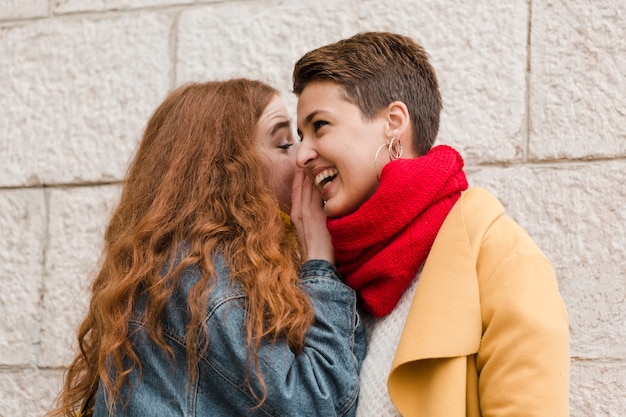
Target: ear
x,y
398,119
399,125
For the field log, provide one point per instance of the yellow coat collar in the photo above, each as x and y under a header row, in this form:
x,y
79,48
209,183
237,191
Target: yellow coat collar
x,y
444,320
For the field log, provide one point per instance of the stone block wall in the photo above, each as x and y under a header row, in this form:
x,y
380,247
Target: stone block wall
x,y
534,99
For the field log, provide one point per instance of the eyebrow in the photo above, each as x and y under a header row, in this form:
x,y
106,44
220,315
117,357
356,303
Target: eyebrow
x,y
307,120
280,125
311,116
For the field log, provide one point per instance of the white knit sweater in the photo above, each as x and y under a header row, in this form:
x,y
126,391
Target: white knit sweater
x,y
383,335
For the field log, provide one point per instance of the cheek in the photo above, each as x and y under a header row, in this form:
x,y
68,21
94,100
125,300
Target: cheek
x,y
288,171
281,186
283,173
359,182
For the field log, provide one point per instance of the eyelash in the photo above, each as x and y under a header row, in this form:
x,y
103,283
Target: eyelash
x,y
286,146
318,124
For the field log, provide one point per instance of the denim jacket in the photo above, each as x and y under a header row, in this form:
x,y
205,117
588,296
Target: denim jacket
x,y
320,381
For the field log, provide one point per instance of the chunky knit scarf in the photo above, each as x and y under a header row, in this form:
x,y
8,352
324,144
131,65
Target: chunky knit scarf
x,y
380,247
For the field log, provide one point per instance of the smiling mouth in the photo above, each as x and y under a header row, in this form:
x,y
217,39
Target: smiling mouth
x,y
325,177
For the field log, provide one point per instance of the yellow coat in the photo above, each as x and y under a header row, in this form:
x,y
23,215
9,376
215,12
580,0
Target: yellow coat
x,y
487,332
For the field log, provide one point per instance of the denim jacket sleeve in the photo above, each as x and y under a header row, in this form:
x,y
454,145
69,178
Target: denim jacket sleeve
x,y
320,381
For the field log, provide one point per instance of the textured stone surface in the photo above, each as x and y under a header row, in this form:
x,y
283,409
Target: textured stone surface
x,y
75,95
533,95
578,79
23,229
23,9
78,216
28,392
589,378
71,6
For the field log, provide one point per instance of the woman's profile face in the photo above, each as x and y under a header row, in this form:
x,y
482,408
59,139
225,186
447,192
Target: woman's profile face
x,y
275,142
338,147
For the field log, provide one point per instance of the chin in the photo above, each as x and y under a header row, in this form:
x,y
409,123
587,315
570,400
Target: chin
x,y
333,212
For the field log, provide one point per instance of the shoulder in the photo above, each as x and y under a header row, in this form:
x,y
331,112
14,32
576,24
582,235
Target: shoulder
x,y
479,218
222,288
478,209
502,249
484,239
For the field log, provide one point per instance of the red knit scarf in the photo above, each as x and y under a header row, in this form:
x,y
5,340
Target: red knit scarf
x,y
380,247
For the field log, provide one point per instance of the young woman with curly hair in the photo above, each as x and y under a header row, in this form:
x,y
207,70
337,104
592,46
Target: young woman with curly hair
x,y
204,304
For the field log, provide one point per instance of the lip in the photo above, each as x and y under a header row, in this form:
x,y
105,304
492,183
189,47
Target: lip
x,y
324,191
314,171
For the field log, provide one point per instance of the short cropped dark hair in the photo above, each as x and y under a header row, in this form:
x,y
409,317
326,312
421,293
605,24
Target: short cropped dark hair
x,y
376,69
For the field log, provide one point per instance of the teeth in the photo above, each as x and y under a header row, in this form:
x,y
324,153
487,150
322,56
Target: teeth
x,y
327,173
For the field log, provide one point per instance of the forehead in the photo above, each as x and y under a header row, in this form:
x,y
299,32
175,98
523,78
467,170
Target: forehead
x,y
321,90
274,110
273,120
317,96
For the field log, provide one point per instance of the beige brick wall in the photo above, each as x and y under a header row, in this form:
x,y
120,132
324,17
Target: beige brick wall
x,y
534,94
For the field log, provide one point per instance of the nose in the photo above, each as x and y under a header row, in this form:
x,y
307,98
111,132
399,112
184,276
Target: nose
x,y
305,155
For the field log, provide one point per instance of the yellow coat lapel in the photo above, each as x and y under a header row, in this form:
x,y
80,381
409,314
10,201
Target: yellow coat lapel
x,y
444,325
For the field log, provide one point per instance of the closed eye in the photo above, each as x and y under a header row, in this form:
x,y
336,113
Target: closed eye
x,y
286,146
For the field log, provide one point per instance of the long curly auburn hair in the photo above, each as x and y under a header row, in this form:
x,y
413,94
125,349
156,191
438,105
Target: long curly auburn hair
x,y
195,178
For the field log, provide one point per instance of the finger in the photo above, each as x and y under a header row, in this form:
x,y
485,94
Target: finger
x,y
296,192
314,198
307,190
